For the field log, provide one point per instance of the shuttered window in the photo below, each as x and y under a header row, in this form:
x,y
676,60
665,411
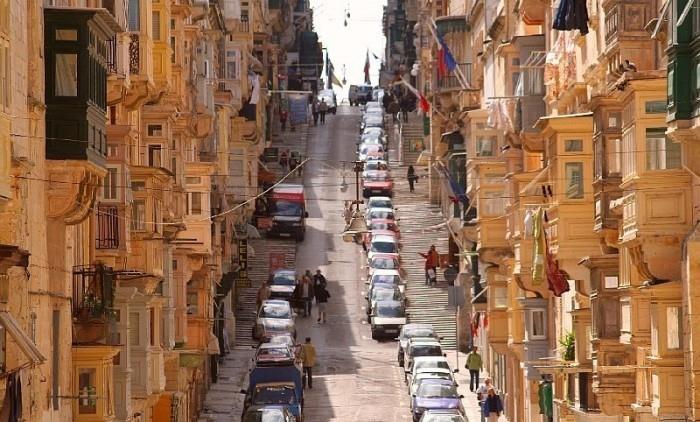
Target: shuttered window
x,y
134,15
156,26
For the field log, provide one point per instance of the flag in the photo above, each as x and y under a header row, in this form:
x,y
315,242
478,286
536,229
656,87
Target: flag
x,y
367,80
446,58
375,56
422,102
335,81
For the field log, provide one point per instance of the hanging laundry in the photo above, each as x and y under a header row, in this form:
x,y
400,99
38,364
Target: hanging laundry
x,y
528,224
572,15
539,248
11,410
556,279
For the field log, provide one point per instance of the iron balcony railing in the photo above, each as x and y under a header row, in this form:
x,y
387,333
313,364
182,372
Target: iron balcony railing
x,y
93,291
452,80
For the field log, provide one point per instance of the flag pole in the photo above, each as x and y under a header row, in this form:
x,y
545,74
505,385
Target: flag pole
x,y
460,75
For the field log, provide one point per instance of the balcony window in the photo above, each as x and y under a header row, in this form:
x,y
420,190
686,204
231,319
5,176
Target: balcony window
x,y
110,184
134,15
538,324
157,216
235,168
655,107
155,158
155,130
66,75
574,180
500,297
492,203
614,155
156,26
107,228
661,152
87,391
611,281
5,93
194,203
152,326
674,328
134,328
485,146
138,215
573,145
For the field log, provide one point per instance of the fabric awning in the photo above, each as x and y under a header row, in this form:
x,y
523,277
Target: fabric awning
x,y
22,340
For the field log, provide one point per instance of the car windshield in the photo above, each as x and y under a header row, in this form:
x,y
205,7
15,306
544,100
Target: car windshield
x,y
274,395
390,310
377,177
384,263
381,203
264,415
275,310
431,364
275,353
386,294
384,247
419,332
276,324
283,279
287,208
386,279
426,350
383,215
437,390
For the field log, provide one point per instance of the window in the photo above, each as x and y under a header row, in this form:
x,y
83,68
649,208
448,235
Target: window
x,y
655,107
87,391
610,281
66,82
152,326
500,297
661,152
157,216
138,215
3,348
614,152
134,15
138,186
155,130
66,35
674,328
492,203
538,324
192,304
155,156
194,204
235,168
174,264
110,183
614,120
156,26
574,180
485,146
5,93
573,145
626,314
134,328
172,47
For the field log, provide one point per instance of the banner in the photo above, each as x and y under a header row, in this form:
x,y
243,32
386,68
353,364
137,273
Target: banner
x,y
298,109
242,280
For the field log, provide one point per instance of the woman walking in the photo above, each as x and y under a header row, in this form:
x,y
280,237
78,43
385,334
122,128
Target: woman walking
x,y
322,296
492,406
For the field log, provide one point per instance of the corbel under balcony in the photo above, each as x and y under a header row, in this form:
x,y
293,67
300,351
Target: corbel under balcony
x,y
72,189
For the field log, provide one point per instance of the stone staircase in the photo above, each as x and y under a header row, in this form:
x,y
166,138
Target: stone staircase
x,y
408,132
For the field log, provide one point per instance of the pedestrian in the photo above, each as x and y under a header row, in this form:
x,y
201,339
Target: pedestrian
x,y
308,353
323,109
412,178
347,212
406,104
292,164
314,111
304,292
283,119
394,109
474,365
284,159
544,393
493,405
322,296
481,394
263,294
432,260
299,168
319,280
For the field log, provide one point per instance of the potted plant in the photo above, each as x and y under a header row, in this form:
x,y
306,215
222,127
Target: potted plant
x,y
568,345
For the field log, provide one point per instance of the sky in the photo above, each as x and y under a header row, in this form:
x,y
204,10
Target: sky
x,y
348,45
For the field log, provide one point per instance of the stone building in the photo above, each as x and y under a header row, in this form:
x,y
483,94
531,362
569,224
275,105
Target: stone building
x,y
579,140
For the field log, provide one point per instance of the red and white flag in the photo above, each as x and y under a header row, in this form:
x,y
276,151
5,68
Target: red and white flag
x,y
367,80
422,102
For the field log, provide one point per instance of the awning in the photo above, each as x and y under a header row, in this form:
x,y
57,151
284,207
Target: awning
x,y
23,341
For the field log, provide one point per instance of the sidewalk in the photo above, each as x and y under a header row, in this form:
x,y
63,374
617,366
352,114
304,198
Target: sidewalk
x,y
471,406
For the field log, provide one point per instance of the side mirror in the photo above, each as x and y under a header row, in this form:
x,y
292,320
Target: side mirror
x,y
306,214
461,396
413,395
455,371
243,391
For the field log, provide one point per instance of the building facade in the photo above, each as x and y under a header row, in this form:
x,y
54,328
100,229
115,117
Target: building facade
x,y
570,155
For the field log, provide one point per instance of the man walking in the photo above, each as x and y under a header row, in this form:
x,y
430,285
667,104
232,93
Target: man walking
x,y
322,297
308,353
323,109
474,365
481,394
319,279
432,260
305,292
263,294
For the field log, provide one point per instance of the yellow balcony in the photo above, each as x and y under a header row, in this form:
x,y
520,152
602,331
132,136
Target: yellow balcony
x,y
92,383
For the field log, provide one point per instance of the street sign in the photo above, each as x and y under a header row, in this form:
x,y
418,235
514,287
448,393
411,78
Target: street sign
x,y
455,296
242,279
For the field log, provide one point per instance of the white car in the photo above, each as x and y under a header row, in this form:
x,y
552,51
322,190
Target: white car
x,y
427,362
382,244
387,318
380,202
410,331
379,213
420,347
374,166
274,317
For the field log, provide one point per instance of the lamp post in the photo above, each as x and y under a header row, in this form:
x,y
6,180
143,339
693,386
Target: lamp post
x,y
358,168
357,226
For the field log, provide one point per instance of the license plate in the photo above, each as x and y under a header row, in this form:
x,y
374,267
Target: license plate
x,y
391,330
376,191
285,234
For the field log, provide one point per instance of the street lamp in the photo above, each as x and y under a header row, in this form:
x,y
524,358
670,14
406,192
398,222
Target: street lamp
x,y
357,225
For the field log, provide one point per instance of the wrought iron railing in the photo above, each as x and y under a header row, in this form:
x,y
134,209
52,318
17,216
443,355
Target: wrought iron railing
x,y
93,291
112,55
134,55
454,79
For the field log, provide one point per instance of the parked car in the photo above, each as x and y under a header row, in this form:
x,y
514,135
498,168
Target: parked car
x,y
385,224
382,244
367,151
427,362
282,284
329,96
375,213
387,318
274,354
443,415
381,293
268,413
434,373
274,316
421,347
378,183
383,262
278,386
375,165
371,120
435,394
410,331
380,202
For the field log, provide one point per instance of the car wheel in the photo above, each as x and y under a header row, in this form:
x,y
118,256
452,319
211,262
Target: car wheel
x,y
374,335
